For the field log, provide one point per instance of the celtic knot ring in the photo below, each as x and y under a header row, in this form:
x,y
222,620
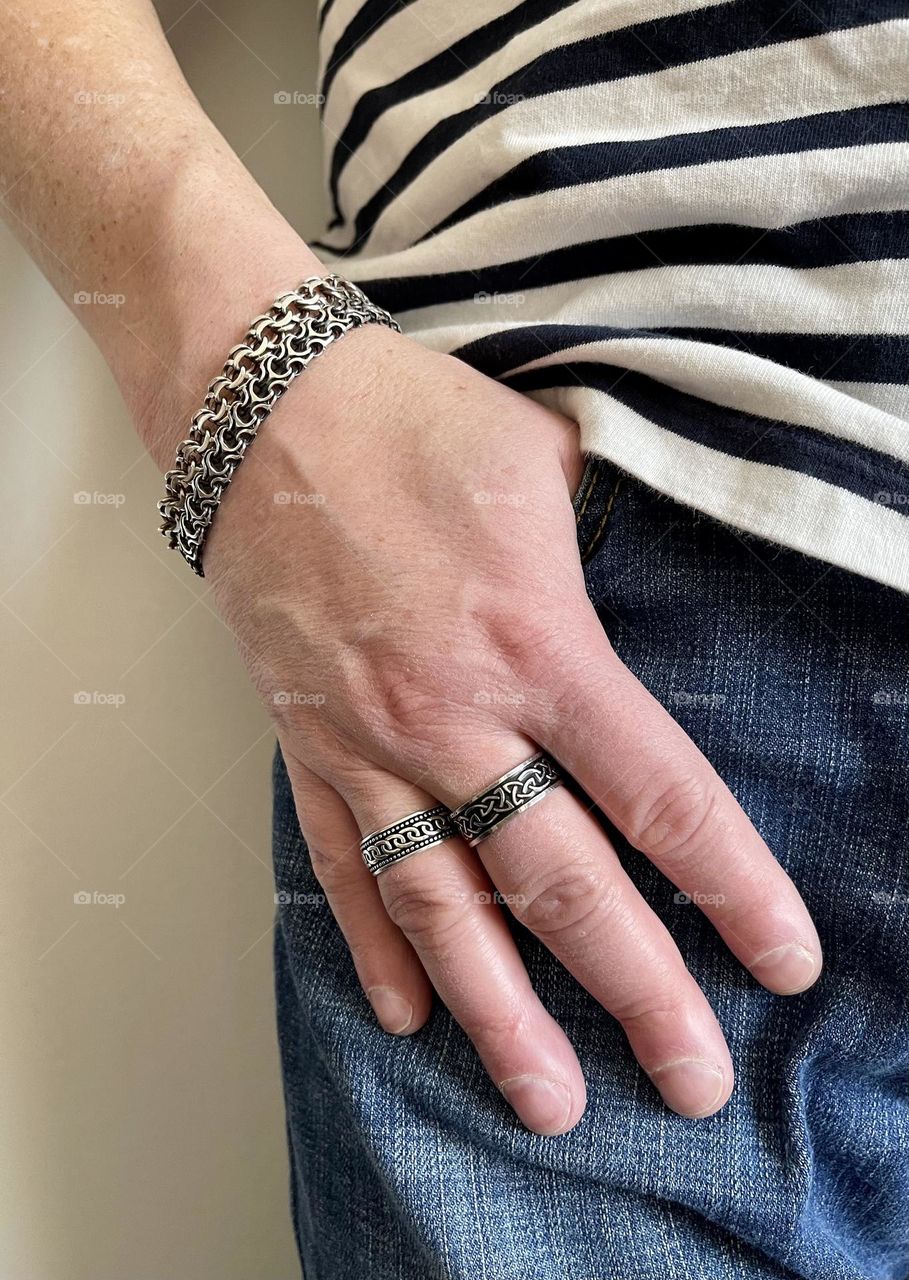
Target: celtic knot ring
x,y
508,796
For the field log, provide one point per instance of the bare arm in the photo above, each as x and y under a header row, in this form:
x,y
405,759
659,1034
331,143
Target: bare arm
x,y
117,183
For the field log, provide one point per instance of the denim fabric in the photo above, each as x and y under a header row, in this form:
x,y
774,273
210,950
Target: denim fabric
x,y
793,678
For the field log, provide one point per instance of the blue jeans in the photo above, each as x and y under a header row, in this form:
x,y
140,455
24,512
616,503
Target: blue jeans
x,y
793,679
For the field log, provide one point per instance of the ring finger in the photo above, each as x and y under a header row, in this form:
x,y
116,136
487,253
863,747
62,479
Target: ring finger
x,y
442,900
556,865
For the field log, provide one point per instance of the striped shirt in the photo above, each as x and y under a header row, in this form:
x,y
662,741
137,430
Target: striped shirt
x,y
683,224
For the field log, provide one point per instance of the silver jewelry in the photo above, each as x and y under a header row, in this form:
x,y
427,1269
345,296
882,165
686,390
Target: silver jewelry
x,y
279,346
508,796
417,831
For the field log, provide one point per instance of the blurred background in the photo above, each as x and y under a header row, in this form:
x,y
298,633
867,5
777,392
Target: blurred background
x,y
141,1121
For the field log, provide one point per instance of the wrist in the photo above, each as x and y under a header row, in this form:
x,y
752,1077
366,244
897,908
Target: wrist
x,y
201,313
204,259
278,346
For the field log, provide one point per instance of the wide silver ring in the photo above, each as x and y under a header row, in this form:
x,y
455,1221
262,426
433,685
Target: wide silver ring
x,y
421,830
505,798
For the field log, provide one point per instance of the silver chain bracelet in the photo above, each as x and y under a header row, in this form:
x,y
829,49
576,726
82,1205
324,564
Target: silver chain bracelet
x,y
279,346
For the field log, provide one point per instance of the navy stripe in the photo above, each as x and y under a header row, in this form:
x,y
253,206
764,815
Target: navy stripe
x,y
862,471
442,69
817,243
565,167
840,357
637,50
371,15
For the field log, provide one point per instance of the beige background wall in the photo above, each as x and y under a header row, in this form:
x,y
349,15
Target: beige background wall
x,y
141,1126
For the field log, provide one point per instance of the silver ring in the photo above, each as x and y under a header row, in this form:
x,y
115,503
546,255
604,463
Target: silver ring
x,y
421,830
508,796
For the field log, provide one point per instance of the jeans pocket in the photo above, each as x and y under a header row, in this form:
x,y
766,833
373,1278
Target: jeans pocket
x,y
594,503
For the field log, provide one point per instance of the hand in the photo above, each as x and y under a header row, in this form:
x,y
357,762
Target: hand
x,y
414,616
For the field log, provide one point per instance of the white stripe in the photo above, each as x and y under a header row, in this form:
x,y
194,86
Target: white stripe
x,y
890,397
782,506
763,191
738,380
796,79
852,298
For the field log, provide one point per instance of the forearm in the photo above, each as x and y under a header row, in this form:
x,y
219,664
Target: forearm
x,y
132,203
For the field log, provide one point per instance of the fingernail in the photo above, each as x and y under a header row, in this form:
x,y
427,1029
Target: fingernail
x,y
393,1011
788,969
543,1105
690,1086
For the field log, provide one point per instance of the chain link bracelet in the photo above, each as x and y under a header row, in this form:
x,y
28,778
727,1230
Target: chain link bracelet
x,y
279,346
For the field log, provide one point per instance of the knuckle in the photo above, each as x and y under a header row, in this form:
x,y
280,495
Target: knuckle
x,y
432,914
528,642
410,701
570,905
331,866
505,1026
684,818
658,1011
407,703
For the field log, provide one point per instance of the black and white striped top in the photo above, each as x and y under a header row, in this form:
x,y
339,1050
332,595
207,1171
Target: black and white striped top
x,y
683,223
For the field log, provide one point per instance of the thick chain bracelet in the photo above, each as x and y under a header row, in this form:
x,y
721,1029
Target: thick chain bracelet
x,y
279,346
